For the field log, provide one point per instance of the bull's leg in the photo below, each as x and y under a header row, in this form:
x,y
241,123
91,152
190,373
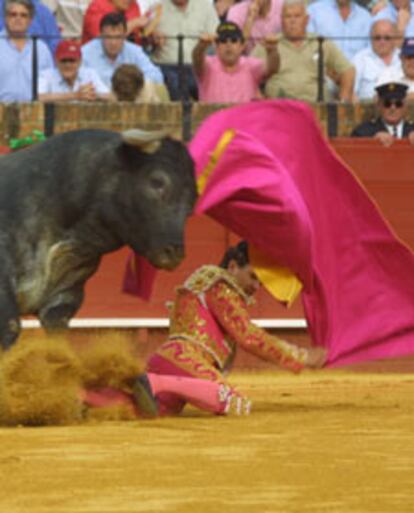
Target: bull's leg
x,y
9,315
60,309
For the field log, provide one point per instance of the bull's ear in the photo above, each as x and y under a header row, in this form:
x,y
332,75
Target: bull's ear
x,y
146,141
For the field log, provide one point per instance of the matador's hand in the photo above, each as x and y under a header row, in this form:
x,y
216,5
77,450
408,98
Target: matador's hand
x,y
316,357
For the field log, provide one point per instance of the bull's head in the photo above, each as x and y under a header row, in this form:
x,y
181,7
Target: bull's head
x,y
160,191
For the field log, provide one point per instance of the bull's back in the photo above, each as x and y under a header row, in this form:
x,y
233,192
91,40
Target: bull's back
x,y
55,175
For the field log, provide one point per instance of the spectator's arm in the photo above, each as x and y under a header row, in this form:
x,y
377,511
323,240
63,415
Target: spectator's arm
x,y
102,91
154,21
252,13
358,63
58,97
340,69
137,23
346,84
272,55
199,52
403,19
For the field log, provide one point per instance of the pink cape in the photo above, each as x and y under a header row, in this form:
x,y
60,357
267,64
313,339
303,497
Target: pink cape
x,y
279,185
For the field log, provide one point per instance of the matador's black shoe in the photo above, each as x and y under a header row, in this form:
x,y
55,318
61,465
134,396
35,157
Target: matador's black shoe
x,y
144,396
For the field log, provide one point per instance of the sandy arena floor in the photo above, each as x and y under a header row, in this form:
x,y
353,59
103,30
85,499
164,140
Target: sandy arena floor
x,y
318,442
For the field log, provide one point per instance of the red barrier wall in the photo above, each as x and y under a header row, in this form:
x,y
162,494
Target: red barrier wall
x,y
386,173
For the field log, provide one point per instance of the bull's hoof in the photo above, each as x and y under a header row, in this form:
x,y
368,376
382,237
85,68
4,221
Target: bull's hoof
x,y
144,397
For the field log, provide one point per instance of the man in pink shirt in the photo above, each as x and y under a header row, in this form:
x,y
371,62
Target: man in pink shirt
x,y
228,76
257,19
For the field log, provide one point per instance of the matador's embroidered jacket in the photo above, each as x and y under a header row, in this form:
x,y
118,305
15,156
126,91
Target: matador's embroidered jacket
x,y
210,315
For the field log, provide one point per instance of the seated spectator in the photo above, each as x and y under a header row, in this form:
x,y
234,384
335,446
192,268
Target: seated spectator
x,y
190,18
400,12
229,76
105,53
16,51
371,62
129,85
97,10
69,15
299,51
391,123
343,21
258,18
405,73
43,24
70,81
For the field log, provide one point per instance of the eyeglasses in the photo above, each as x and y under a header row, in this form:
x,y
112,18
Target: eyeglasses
x,y
389,103
384,38
231,39
13,14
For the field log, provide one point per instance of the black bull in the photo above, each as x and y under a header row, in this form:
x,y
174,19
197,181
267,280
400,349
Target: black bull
x,y
66,202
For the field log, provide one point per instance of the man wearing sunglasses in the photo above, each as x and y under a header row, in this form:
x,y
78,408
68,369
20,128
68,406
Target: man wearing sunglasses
x,y
229,76
391,123
16,51
380,57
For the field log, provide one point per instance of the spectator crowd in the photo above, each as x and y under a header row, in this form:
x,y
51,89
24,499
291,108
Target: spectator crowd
x,y
212,51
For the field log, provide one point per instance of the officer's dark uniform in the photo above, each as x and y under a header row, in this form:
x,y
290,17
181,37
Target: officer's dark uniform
x,y
390,91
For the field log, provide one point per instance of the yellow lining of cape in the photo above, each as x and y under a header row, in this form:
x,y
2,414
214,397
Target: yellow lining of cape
x,y
224,141
281,282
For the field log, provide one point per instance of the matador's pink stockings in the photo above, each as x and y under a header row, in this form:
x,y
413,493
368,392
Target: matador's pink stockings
x,y
206,395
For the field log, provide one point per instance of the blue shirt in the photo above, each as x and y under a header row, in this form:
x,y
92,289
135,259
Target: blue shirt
x,y
43,24
325,20
51,81
16,69
391,13
94,56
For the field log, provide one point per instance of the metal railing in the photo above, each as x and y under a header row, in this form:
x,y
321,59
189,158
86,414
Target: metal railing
x,y
184,96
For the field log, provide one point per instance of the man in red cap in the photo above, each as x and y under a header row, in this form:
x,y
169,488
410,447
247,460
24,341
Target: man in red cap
x,y
70,81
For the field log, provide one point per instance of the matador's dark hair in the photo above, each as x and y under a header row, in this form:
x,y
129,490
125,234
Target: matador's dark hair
x,y
238,253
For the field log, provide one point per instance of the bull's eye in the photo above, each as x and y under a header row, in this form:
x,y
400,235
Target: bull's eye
x,y
159,184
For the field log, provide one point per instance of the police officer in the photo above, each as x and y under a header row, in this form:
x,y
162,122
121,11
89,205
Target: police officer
x,y
391,123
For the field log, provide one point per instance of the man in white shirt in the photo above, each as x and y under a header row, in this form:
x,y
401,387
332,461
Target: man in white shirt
x,y
391,124
370,63
405,72
70,81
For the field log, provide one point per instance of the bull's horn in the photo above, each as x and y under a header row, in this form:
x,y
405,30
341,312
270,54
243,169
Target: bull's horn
x,y
146,141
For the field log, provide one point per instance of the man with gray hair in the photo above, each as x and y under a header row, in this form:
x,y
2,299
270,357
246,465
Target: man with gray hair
x,y
299,60
16,51
381,56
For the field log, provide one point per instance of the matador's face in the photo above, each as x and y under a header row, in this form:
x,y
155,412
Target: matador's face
x,y
245,276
